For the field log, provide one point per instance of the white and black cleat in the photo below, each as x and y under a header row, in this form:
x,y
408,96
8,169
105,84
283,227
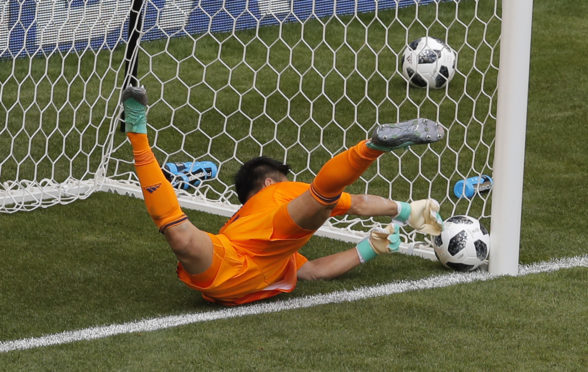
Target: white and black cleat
x,y
388,137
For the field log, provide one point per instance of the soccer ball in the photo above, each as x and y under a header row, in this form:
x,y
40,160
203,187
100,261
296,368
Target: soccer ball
x,y
463,245
428,62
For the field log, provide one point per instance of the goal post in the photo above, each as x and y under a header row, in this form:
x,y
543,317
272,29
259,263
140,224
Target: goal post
x,y
511,124
296,80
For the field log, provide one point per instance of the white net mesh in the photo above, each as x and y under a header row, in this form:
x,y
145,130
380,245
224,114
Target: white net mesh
x,y
298,81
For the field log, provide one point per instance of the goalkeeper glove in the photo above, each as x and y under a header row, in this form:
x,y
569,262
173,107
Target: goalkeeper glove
x,y
379,241
421,215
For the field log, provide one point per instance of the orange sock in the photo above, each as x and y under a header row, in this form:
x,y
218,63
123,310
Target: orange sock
x,y
341,171
159,195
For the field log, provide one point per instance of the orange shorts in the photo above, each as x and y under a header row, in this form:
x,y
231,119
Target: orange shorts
x,y
256,252
236,276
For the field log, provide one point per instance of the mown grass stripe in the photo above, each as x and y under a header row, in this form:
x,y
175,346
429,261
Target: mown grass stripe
x,y
148,325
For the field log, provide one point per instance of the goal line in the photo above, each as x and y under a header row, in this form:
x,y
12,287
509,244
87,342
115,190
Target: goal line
x,y
155,324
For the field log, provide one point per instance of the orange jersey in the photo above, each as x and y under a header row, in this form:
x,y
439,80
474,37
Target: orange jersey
x,y
256,251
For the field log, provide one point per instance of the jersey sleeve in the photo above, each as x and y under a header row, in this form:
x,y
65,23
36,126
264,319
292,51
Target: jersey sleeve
x,y
287,191
343,205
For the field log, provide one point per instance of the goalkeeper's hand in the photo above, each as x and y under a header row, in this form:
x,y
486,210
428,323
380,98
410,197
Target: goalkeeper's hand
x,y
379,241
422,215
385,240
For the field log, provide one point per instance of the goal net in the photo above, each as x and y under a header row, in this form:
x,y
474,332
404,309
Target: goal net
x,y
296,80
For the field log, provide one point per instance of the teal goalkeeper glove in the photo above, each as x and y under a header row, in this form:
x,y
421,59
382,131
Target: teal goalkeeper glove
x,y
422,215
379,241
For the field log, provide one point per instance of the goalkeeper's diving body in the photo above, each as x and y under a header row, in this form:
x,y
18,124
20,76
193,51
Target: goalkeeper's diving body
x,y
255,254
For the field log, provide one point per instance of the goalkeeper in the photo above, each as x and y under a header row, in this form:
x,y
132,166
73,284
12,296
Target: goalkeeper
x,y
255,254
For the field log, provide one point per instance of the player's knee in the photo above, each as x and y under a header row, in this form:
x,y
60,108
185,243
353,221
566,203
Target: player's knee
x,y
188,243
324,199
181,245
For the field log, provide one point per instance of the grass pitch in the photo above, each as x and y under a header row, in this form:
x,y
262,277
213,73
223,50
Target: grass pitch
x,y
100,261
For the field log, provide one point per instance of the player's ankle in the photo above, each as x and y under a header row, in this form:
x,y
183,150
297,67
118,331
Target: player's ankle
x,y
135,116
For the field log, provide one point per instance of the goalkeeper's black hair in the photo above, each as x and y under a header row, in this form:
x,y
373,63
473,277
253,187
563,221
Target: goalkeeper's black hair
x,y
252,174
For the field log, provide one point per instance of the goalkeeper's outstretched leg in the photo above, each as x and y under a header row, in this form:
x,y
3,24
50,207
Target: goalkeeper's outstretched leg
x,y
313,208
192,247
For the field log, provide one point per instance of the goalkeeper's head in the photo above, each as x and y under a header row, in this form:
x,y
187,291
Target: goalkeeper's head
x,y
257,173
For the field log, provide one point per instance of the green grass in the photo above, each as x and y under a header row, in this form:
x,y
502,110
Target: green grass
x,y
100,261
78,274
442,329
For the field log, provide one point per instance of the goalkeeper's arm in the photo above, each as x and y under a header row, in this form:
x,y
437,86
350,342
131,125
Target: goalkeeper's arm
x,y
422,215
378,241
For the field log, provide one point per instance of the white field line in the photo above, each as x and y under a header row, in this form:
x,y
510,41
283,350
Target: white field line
x,y
148,325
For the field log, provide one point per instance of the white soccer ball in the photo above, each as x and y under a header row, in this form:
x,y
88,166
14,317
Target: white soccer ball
x,y
428,61
463,245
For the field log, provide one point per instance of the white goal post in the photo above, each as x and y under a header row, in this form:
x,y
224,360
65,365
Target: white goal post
x,y
511,124
296,80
